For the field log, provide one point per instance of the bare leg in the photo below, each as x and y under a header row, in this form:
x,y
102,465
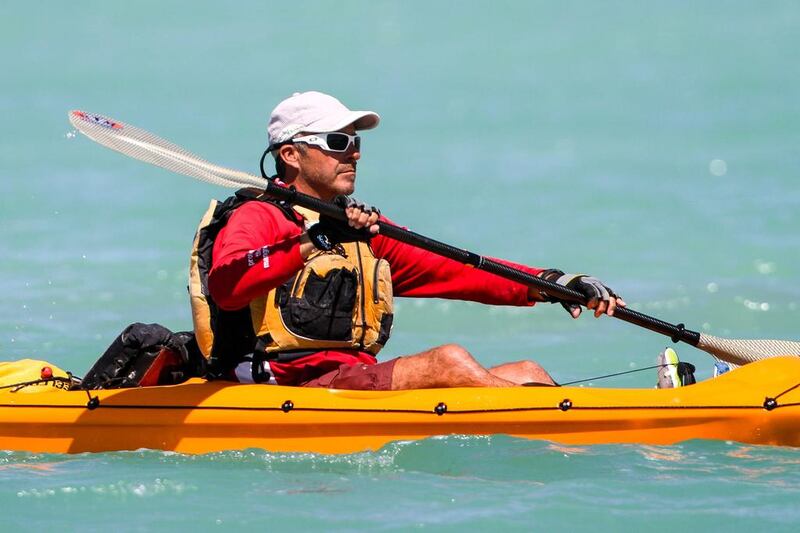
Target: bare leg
x,y
523,372
453,366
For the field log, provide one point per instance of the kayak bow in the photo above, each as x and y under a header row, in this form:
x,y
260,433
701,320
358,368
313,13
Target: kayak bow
x,y
758,403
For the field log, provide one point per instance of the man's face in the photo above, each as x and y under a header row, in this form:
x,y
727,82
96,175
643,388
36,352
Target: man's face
x,y
329,174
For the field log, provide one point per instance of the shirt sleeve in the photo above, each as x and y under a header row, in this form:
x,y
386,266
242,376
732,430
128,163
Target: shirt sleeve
x,y
256,251
420,273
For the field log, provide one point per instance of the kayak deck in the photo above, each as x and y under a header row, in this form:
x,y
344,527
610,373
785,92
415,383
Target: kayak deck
x,y
758,403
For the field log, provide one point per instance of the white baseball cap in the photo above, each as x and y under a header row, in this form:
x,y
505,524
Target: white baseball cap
x,y
314,112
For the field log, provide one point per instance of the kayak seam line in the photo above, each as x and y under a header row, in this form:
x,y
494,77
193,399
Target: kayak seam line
x,y
421,411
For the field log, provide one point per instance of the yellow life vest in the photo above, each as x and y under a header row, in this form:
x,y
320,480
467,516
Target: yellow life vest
x,y
340,299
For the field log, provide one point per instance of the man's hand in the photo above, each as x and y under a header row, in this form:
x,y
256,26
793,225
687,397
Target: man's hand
x,y
360,215
328,232
599,297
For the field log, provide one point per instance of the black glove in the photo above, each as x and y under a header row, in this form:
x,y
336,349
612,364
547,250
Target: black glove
x,y
591,287
329,232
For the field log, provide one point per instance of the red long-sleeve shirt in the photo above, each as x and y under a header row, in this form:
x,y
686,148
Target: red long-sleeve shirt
x,y
259,249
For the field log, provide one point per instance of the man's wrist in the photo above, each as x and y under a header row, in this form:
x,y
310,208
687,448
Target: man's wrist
x,y
534,295
306,247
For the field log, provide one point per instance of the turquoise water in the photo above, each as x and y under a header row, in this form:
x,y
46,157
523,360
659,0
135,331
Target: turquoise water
x,y
441,484
654,146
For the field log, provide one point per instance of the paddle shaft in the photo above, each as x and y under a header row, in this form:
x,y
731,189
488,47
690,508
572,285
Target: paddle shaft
x,y
675,332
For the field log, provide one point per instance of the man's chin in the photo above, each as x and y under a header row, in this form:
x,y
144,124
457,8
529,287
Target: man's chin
x,y
347,185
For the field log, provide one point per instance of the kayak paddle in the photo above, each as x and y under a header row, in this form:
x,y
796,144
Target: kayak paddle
x,y
145,146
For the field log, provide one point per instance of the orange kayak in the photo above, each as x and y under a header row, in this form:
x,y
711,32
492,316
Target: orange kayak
x,y
758,403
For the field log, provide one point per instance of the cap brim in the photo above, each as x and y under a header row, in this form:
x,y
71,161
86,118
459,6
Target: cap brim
x,y
362,120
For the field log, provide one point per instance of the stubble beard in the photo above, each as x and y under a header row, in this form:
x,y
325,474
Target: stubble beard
x,y
328,187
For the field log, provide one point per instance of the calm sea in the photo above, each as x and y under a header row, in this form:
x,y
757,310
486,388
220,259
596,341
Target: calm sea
x,y
654,145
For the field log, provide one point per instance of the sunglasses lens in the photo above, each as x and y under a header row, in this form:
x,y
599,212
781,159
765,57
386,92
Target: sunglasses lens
x,y
338,141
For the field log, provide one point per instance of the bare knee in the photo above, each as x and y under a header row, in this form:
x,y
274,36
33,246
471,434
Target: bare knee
x,y
451,355
523,372
528,367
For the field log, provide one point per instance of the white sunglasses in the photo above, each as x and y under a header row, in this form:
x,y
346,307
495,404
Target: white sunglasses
x,y
334,141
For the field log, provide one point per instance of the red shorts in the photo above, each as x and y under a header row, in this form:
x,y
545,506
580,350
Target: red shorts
x,y
335,369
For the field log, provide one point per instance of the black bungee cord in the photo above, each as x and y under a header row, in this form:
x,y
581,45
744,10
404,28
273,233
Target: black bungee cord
x,y
612,375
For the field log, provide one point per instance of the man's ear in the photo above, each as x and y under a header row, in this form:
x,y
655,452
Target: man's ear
x,y
290,155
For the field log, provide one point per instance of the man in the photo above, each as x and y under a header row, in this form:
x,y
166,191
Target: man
x,y
311,298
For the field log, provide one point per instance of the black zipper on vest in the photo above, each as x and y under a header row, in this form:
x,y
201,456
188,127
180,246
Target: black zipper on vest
x,y
363,296
375,282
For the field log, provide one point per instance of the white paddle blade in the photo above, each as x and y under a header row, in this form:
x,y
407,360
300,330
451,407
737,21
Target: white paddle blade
x,y
743,351
145,146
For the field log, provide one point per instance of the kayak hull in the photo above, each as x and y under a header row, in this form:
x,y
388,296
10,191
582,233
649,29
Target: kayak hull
x,y
758,404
